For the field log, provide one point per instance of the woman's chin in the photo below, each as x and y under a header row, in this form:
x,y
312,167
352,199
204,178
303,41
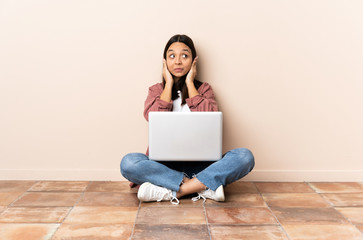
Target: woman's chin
x,y
178,75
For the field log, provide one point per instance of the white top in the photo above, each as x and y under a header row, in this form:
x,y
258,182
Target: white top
x,y
177,107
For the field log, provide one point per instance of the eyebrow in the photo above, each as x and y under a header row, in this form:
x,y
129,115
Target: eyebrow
x,y
186,50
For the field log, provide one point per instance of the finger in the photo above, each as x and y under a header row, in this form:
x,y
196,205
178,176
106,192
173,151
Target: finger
x,y
195,60
165,67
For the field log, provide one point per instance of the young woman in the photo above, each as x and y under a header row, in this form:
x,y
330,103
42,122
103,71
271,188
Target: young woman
x,y
180,91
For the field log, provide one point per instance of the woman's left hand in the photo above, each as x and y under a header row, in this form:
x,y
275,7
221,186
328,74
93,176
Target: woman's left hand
x,y
192,72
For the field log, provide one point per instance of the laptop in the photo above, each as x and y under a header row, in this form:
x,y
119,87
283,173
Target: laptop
x,y
185,136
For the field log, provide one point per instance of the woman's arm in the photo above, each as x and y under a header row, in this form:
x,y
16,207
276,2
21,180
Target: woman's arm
x,y
201,100
204,101
189,81
159,97
154,103
169,81
167,92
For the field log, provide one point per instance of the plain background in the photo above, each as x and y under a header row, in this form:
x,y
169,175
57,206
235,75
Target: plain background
x,y
74,74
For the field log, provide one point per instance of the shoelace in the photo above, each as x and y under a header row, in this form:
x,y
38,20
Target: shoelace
x,y
194,199
173,200
176,200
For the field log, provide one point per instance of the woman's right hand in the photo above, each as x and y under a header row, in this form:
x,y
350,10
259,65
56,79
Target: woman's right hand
x,y
166,74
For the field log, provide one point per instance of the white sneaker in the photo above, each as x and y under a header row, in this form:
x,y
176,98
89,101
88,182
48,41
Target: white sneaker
x,y
217,195
149,192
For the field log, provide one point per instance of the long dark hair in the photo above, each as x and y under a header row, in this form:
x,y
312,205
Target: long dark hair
x,y
180,85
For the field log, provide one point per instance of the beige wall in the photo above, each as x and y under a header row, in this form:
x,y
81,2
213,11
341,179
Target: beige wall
x,y
287,75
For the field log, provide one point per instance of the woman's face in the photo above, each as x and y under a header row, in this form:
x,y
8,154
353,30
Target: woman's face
x,y
179,59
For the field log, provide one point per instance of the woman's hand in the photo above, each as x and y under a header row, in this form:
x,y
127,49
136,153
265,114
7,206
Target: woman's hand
x,y
169,81
189,81
166,74
192,72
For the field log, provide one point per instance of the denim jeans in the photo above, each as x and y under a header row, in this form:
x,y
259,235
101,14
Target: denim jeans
x,y
235,164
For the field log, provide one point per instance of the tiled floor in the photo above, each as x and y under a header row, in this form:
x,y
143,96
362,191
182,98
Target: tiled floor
x,y
110,210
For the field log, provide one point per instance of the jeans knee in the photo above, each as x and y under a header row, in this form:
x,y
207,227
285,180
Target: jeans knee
x,y
246,157
128,163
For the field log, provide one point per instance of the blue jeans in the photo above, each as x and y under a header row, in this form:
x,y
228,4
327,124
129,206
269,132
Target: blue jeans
x,y
235,164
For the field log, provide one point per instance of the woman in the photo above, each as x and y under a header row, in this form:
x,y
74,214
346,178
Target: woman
x,y
180,91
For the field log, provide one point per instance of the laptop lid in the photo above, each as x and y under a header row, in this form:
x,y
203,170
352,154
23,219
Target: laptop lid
x,y
185,136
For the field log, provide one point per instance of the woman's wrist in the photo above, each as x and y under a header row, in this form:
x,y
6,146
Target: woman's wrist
x,y
189,83
192,91
169,83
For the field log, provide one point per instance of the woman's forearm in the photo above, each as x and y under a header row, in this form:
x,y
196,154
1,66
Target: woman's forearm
x,y
166,94
192,91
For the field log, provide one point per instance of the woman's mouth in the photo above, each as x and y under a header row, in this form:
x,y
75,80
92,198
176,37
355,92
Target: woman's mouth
x,y
178,70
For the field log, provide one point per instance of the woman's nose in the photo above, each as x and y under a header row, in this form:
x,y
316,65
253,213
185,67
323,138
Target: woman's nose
x,y
177,61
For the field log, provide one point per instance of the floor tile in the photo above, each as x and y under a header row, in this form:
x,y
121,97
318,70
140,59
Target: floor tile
x,y
102,215
15,186
93,231
337,187
8,197
34,215
45,199
27,231
109,210
104,186
238,200
250,216
286,200
241,187
2,208
173,231
117,199
354,214
59,186
184,202
283,187
308,216
237,232
344,199
322,232
171,215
